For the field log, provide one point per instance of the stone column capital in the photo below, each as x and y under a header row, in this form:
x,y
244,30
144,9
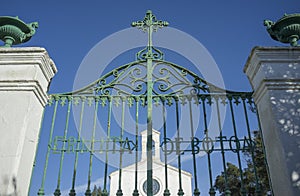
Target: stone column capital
x,y
26,69
270,58
271,68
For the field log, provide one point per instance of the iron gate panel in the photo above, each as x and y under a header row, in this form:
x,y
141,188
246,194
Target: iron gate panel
x,y
96,130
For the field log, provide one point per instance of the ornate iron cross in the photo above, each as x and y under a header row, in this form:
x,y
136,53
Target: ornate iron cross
x,y
150,24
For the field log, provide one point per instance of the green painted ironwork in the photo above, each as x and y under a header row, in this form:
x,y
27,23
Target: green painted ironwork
x,y
42,189
196,190
243,190
148,82
166,191
212,191
257,184
88,190
105,192
227,191
286,29
39,136
136,191
149,24
263,149
73,191
178,151
119,192
57,190
14,31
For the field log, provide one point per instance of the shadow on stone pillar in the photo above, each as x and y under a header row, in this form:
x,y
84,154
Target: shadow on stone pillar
x,y
274,73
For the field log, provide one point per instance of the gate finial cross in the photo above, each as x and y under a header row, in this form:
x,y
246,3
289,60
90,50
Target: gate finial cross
x,y
149,24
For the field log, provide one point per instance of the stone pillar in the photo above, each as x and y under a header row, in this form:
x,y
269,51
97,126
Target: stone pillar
x,y
274,73
25,74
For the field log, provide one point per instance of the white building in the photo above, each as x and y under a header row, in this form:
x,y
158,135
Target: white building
x,y
128,174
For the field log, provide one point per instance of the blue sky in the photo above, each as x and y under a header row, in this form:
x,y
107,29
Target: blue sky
x,y
227,29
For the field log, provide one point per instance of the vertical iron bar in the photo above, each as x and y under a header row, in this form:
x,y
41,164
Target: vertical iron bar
x,y
149,124
88,190
149,127
227,191
212,191
166,191
119,192
257,189
73,191
196,190
42,189
38,141
264,151
180,191
149,23
104,192
149,108
136,192
57,191
243,190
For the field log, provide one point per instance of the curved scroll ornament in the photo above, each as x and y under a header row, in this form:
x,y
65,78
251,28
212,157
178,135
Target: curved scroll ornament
x,y
127,81
168,80
156,54
171,79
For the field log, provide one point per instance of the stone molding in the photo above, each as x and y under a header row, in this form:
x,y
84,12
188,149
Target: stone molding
x,y
25,76
268,85
29,55
261,54
266,67
32,86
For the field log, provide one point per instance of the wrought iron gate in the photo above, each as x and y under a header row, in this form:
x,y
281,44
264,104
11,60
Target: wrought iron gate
x,y
96,130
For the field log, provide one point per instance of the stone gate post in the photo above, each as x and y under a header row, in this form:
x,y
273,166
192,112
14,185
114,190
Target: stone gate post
x,y
274,73
25,74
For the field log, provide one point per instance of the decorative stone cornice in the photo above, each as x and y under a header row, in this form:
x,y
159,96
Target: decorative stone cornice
x,y
26,69
269,63
32,86
29,55
292,86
